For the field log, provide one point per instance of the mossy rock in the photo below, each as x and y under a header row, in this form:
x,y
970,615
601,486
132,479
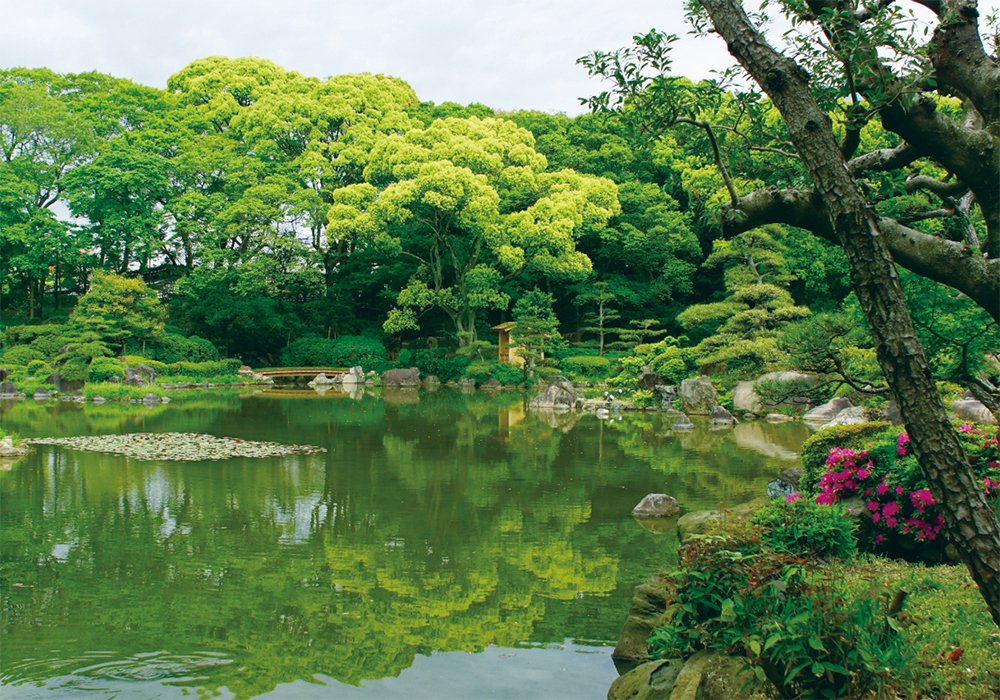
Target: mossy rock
x,y
704,521
649,602
653,680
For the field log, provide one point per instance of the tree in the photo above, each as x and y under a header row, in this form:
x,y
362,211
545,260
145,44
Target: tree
x,y
470,203
601,295
118,309
853,75
536,329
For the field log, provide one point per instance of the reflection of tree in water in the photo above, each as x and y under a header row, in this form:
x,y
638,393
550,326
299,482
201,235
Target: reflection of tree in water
x,y
453,524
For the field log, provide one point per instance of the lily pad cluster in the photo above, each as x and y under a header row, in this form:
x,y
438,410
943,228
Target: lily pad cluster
x,y
183,447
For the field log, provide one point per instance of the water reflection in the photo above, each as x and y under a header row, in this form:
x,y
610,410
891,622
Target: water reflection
x,y
447,523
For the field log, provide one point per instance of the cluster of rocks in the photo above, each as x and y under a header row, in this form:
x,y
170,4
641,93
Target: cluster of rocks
x,y
354,377
8,450
704,676
177,446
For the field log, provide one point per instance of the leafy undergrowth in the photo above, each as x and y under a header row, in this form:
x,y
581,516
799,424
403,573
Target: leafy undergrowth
x,y
788,592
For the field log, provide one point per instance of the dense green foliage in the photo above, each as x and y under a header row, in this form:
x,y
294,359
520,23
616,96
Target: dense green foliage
x,y
271,214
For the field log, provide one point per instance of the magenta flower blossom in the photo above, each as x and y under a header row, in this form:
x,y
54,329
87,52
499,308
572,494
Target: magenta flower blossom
x,y
792,497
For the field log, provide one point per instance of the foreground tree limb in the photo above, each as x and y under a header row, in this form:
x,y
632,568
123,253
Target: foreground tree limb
x,y
948,262
969,521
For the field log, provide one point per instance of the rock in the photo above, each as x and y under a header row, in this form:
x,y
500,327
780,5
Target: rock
x,y
557,396
7,448
891,414
973,410
745,398
720,416
779,488
700,522
648,379
41,395
402,377
63,386
432,380
603,414
8,390
151,398
355,375
666,393
682,423
467,383
99,399
711,675
849,416
4,373
697,396
138,375
828,411
653,680
492,384
656,505
645,612
323,380
245,369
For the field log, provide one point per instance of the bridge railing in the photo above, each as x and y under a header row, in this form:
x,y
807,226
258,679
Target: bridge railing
x,y
300,371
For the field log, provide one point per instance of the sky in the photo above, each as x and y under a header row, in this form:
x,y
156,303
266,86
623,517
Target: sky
x,y
508,54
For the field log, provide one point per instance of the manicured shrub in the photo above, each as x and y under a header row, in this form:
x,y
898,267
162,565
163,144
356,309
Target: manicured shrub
x,y
351,350
38,368
308,351
799,526
173,347
104,368
20,355
590,366
507,374
434,361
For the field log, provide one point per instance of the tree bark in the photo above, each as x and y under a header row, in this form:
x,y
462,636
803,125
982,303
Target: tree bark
x,y
970,523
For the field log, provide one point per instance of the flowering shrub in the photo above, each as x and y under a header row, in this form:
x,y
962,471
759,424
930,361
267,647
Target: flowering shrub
x,y
888,479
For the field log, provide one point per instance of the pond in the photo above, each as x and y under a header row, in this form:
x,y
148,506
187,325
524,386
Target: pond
x,y
446,545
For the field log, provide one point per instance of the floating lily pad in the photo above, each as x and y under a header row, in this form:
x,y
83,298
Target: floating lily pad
x,y
183,447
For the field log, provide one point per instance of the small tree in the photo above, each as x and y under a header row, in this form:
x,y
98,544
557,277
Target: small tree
x,y
119,309
536,329
600,296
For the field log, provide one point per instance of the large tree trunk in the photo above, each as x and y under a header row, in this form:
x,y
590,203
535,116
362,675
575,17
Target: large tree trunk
x,y
970,523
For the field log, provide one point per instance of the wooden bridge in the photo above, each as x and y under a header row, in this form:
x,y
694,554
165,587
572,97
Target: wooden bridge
x,y
301,371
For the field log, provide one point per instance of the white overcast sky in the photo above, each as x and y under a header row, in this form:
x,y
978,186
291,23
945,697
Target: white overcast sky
x,y
509,54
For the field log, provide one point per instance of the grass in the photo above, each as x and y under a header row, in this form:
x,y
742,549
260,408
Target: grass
x,y
946,624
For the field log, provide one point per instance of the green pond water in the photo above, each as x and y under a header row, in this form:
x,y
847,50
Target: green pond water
x,y
446,545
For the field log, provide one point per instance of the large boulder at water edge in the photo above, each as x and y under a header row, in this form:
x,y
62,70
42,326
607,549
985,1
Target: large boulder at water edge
x,y
321,380
720,416
402,377
138,375
7,448
698,396
63,386
355,375
745,399
8,390
645,612
828,411
41,395
653,680
558,395
682,423
656,505
973,410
